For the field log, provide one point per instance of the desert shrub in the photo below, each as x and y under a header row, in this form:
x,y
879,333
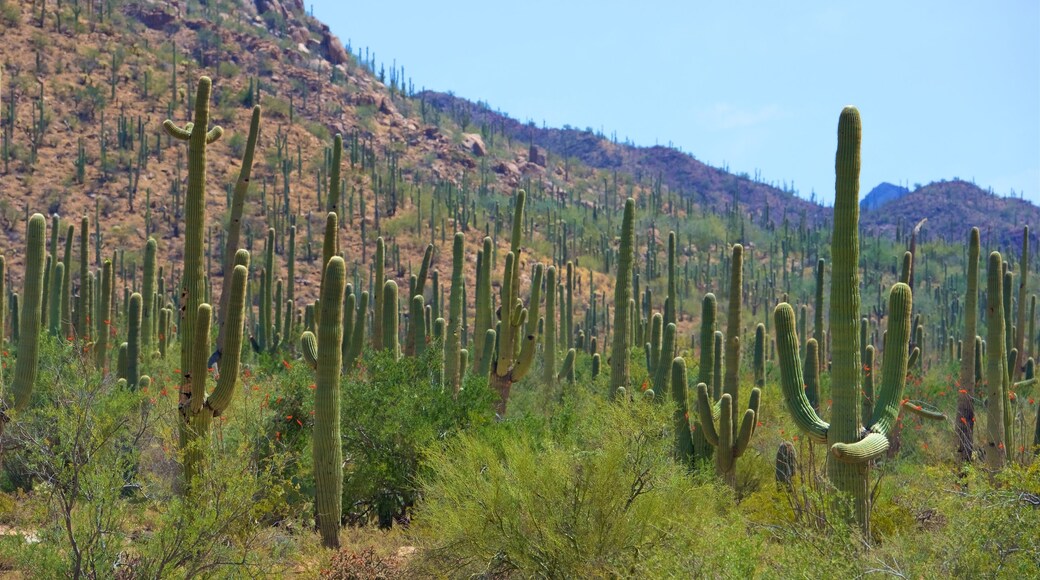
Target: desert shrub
x,y
394,414
595,494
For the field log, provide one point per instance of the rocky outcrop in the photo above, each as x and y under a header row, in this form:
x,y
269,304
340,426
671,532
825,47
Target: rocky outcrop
x,y
474,144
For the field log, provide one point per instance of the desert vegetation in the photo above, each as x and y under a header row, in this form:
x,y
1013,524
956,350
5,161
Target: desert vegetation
x,y
249,339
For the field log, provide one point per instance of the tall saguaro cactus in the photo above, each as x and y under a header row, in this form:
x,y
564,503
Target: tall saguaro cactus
x,y
965,425
453,340
193,281
996,365
327,450
30,312
620,373
853,445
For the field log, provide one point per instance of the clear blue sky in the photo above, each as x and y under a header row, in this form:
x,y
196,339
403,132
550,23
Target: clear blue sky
x,y
946,88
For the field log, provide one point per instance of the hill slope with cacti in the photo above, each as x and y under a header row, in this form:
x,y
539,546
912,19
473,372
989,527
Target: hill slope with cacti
x,y
84,94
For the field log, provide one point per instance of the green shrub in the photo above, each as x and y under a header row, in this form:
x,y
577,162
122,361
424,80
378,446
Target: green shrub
x,y
393,417
596,496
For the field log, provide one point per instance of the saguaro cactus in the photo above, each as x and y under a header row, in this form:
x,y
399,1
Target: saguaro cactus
x,y
234,232
327,450
198,410
484,315
730,437
193,280
702,450
965,425
148,308
30,311
852,444
133,341
517,340
996,366
391,335
620,373
453,340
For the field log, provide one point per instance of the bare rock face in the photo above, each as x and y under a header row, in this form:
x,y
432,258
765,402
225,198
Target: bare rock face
x,y
474,143
332,48
154,17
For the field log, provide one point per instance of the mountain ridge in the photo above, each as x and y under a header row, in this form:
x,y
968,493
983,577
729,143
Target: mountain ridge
x,y
714,186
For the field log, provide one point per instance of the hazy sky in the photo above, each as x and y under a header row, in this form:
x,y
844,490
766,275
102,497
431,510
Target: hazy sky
x,y
946,88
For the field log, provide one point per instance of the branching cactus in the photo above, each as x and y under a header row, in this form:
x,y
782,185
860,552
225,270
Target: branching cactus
x,y
193,281
517,341
853,445
702,450
732,434
416,321
197,408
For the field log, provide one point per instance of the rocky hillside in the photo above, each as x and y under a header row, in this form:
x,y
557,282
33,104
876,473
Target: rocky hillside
x,y
952,208
708,186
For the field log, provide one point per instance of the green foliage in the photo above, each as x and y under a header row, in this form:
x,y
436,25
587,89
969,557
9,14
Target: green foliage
x,y
595,495
393,417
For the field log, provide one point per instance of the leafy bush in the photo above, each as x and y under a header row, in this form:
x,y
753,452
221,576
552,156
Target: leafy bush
x,y
595,497
392,418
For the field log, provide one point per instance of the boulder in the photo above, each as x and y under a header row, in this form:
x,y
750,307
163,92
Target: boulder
x,y
474,143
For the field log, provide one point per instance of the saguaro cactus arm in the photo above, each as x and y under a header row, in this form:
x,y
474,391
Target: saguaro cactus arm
x,y
791,381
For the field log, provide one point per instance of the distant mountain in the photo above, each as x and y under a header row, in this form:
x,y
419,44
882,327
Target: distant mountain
x,y
882,194
680,172
952,209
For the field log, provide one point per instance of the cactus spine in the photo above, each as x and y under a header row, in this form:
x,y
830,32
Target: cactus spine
x,y
619,363
853,445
